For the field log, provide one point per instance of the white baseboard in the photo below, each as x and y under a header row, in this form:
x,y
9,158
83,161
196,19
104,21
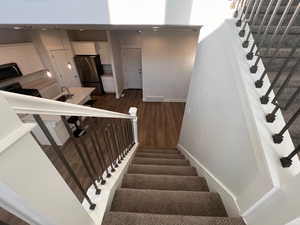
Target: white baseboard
x,y
214,183
161,99
104,200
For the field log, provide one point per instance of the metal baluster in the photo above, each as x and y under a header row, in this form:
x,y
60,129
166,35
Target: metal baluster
x,y
250,54
239,21
287,161
112,141
117,141
253,68
265,98
122,139
125,138
271,116
106,157
130,133
63,159
259,82
236,12
246,42
242,31
80,153
106,165
278,138
108,151
83,144
102,180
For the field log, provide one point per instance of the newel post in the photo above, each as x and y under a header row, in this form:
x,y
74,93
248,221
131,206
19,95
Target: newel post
x,y
133,112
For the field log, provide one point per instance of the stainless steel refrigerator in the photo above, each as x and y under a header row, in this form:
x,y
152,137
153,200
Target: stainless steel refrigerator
x,y
90,69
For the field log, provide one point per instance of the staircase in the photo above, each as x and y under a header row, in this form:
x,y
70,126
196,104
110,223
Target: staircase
x,y
161,187
285,48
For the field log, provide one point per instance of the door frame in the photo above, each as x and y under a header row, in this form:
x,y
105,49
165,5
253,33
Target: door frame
x,y
123,69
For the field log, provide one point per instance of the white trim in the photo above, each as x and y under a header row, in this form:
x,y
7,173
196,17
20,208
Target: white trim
x,y
232,209
10,201
174,100
34,105
104,200
260,201
15,135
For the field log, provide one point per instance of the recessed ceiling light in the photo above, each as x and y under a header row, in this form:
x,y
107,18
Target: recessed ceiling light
x,y
18,28
49,74
69,66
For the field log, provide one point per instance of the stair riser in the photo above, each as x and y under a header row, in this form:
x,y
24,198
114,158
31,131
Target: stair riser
x,y
157,170
168,202
151,161
160,182
166,156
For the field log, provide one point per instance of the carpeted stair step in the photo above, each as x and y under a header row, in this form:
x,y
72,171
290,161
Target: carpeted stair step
x,y
165,182
124,218
160,161
160,150
168,202
159,155
164,170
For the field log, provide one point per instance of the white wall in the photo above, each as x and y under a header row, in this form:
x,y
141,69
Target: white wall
x,y
167,62
225,132
24,54
116,60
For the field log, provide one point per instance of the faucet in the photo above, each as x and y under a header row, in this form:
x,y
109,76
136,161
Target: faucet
x,y
68,95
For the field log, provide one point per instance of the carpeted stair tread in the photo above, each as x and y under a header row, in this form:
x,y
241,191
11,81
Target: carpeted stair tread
x,y
168,202
124,218
159,155
161,150
165,182
160,161
158,169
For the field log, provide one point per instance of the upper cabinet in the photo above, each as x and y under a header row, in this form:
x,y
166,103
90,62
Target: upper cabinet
x,y
103,49
84,48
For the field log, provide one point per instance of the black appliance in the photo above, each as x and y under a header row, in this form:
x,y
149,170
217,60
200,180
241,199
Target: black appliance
x,y
8,71
16,88
90,69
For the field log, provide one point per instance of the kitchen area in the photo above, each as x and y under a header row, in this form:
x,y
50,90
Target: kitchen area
x,y
67,66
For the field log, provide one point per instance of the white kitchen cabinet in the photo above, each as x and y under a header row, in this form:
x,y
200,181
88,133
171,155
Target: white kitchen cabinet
x,y
108,84
103,49
84,47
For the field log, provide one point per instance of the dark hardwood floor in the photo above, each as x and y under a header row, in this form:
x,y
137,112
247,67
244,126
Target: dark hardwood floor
x,y
159,127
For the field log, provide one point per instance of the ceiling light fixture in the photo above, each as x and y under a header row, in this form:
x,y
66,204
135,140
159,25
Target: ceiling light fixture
x,y
69,66
49,74
139,31
155,27
18,28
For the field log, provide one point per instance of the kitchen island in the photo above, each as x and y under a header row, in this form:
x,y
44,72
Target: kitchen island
x,y
80,95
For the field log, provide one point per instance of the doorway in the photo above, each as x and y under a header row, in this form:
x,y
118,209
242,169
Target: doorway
x,y
132,68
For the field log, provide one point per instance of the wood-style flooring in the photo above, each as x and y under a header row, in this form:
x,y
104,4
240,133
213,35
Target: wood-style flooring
x,y
159,127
